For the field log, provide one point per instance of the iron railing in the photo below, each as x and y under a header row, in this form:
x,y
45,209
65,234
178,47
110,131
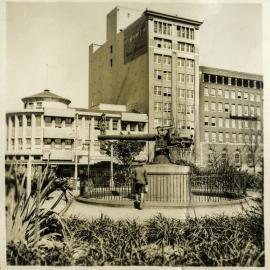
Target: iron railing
x,y
167,187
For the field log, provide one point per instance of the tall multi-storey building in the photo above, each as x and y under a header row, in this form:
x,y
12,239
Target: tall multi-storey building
x,y
48,130
150,62
231,114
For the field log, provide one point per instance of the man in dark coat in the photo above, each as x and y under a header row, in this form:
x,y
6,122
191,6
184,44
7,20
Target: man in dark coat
x,y
141,181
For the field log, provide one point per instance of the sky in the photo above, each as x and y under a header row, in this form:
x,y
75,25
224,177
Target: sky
x,y
47,43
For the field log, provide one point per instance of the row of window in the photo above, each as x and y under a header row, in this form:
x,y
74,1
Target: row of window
x,y
59,121
167,75
183,93
168,122
166,29
31,105
231,94
231,138
185,109
159,107
224,157
167,44
167,60
234,109
28,121
230,123
167,92
211,78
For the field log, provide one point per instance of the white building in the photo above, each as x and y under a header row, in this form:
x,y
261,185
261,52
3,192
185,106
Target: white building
x,y
48,129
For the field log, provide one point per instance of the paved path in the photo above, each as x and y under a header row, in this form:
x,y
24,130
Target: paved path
x,y
90,211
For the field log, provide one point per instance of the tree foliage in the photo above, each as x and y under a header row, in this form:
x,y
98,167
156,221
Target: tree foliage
x,y
124,151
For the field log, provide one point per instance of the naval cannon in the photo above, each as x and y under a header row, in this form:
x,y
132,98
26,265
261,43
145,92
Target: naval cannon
x,y
169,147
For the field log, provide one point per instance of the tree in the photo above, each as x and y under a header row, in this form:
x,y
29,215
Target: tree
x,y
125,152
220,162
254,150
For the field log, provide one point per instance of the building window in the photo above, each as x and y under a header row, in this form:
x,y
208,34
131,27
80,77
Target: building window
x,y
213,92
190,109
140,126
213,121
37,141
239,95
252,111
30,105
245,110
233,123
47,141
251,97
259,125
240,124
206,121
245,124
220,92
132,127
67,142
158,74
158,58
246,138
167,91
58,122
240,138
190,94
111,48
167,60
39,105
20,143
246,96
181,46
214,137
213,106
258,111
167,107
220,109
233,109
68,122
38,121
167,44
227,137
20,121
181,108
227,123
157,90
206,106
226,94
157,122
206,94
181,77
180,62
28,143
190,78
206,136
158,42
167,75
239,110
124,125
48,121
190,48
226,107
233,94
157,106
162,28
181,93
190,63
111,62
115,124
205,77
220,122
167,122
258,98
28,121
220,137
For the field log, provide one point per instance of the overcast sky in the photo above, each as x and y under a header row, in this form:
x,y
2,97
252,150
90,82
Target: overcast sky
x,y
47,43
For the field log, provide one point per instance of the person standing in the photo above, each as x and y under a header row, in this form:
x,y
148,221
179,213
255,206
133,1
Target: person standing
x,y
141,182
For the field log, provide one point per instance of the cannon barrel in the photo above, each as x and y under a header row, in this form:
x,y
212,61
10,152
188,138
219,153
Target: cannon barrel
x,y
130,137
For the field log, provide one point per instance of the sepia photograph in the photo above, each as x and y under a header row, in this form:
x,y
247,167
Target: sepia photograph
x,y
134,134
